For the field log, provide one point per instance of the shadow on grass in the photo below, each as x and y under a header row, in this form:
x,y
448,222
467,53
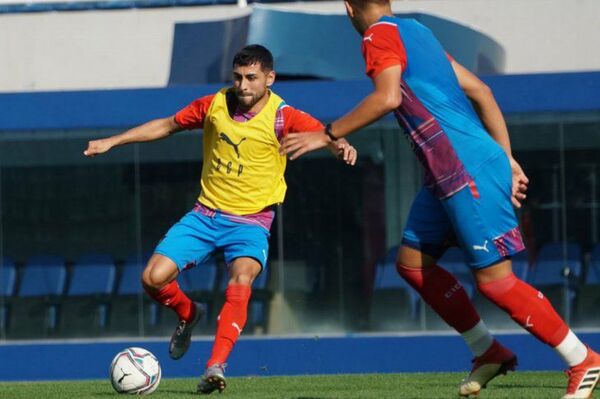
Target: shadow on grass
x,y
178,392
520,386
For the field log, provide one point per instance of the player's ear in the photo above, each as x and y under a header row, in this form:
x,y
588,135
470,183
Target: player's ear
x,y
270,78
349,9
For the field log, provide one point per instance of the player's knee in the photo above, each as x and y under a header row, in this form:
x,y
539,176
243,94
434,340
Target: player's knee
x,y
413,258
242,279
152,279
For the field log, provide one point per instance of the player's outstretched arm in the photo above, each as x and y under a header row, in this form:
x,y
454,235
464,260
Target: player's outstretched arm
x,y
386,97
154,130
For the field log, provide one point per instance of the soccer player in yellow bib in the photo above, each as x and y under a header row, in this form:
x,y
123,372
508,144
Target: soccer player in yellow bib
x,y
242,179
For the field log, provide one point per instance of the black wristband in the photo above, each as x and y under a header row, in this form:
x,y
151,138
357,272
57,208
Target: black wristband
x,y
328,132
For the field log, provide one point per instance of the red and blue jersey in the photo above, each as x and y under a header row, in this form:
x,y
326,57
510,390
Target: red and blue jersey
x,y
445,132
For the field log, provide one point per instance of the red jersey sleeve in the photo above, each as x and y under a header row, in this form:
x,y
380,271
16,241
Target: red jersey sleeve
x,y
382,48
192,116
295,121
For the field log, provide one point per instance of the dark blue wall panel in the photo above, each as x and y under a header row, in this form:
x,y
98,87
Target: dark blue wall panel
x,y
275,356
326,100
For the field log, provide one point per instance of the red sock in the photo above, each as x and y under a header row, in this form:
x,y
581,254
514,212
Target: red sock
x,y
172,297
444,294
528,307
230,323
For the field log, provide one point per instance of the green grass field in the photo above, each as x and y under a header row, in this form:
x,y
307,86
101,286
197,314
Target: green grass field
x,y
541,385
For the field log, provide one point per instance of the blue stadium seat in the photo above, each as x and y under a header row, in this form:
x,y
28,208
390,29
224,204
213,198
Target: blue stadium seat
x,y
7,287
43,276
200,278
92,274
131,274
549,275
125,312
84,310
592,276
386,274
8,276
588,300
262,281
550,265
520,265
38,298
257,313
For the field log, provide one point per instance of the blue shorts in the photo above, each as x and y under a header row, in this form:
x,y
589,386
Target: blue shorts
x,y
479,218
197,236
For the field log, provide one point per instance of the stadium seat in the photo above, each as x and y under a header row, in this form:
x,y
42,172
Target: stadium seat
x,y
588,300
131,310
43,276
592,277
199,283
131,273
85,307
394,304
7,288
8,275
200,278
520,265
557,274
38,298
550,266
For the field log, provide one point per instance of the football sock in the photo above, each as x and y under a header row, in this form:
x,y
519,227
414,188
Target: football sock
x,y
529,308
445,295
230,322
478,338
172,297
571,350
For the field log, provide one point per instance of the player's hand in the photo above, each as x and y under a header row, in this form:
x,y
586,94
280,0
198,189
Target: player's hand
x,y
345,151
96,147
519,183
298,144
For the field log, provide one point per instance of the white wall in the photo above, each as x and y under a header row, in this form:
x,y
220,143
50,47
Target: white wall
x,y
132,48
538,35
94,49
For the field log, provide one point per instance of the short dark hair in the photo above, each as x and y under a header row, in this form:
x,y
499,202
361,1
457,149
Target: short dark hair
x,y
362,4
252,54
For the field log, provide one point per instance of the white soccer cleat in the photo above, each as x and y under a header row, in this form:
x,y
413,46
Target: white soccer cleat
x,y
212,380
584,377
495,361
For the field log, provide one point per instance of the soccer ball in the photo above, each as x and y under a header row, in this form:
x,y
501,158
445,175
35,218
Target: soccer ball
x,y
135,371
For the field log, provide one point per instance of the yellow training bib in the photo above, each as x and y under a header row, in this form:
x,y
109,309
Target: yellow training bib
x,y
242,172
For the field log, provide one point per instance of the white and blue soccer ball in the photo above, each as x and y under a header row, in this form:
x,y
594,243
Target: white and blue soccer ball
x,y
135,371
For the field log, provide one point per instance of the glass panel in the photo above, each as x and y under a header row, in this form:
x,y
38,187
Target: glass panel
x,y
330,242
63,216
